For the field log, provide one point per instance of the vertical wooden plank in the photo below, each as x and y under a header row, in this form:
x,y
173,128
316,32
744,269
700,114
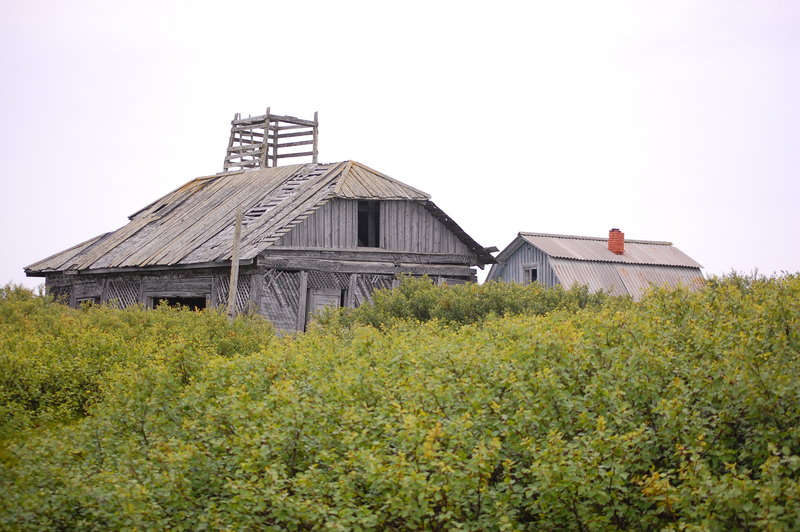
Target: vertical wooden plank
x,y
255,289
262,159
351,290
316,136
301,310
234,283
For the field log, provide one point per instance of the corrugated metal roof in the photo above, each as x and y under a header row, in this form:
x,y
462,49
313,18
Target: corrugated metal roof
x,y
596,249
194,223
621,279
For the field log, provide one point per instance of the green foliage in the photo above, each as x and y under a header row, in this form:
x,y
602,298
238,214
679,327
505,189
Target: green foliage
x,y
419,299
53,359
680,412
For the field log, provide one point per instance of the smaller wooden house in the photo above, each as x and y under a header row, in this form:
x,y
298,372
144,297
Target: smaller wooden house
x,y
613,264
308,236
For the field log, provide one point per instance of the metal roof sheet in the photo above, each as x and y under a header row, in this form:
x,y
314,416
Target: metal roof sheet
x,y
194,223
596,249
621,278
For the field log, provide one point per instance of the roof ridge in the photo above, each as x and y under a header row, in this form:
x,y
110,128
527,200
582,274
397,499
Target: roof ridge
x,y
389,178
597,238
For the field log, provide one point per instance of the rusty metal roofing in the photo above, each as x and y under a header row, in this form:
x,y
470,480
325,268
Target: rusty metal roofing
x,y
194,223
588,248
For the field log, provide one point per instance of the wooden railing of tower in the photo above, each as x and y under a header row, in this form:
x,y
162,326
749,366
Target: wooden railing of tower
x,y
261,141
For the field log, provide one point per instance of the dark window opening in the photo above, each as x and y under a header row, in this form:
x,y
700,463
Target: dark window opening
x,y
369,214
193,303
87,301
532,275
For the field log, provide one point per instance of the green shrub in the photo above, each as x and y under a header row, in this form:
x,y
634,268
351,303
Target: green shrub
x,y
419,299
681,412
53,358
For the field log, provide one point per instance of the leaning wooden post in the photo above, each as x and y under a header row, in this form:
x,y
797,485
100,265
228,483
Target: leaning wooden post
x,y
233,284
315,137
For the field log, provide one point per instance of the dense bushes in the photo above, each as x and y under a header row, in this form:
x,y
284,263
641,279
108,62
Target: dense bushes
x,y
53,358
417,298
678,412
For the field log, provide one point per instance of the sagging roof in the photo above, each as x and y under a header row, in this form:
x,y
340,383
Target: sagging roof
x,y
194,224
587,248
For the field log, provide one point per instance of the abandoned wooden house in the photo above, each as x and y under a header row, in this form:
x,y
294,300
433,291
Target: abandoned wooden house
x,y
308,235
614,265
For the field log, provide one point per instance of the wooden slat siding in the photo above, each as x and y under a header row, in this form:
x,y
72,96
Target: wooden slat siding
x,y
405,226
123,292
318,279
332,226
221,284
528,254
169,283
60,293
280,297
366,284
93,288
403,229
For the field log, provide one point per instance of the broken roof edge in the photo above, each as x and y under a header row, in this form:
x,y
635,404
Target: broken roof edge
x,y
207,178
31,271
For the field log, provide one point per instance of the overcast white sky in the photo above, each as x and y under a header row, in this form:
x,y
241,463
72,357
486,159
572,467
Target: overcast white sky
x,y
675,120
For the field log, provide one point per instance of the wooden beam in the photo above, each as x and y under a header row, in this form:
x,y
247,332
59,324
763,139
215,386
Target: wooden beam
x,y
303,154
316,137
234,282
382,268
301,307
369,255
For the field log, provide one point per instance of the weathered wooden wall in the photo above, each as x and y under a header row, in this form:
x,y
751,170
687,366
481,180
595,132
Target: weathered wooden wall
x,y
124,290
334,225
408,226
404,226
526,255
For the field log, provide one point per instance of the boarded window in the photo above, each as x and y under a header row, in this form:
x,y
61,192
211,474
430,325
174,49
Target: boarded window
x,y
369,213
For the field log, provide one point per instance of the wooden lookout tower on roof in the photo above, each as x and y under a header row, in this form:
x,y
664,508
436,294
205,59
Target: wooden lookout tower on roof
x,y
309,235
262,141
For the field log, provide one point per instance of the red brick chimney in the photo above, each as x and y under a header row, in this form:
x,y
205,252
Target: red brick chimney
x,y
616,241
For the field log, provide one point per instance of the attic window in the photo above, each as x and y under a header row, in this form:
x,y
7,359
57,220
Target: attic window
x,y
369,214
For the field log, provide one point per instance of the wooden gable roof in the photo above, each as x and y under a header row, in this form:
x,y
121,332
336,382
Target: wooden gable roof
x,y
194,224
